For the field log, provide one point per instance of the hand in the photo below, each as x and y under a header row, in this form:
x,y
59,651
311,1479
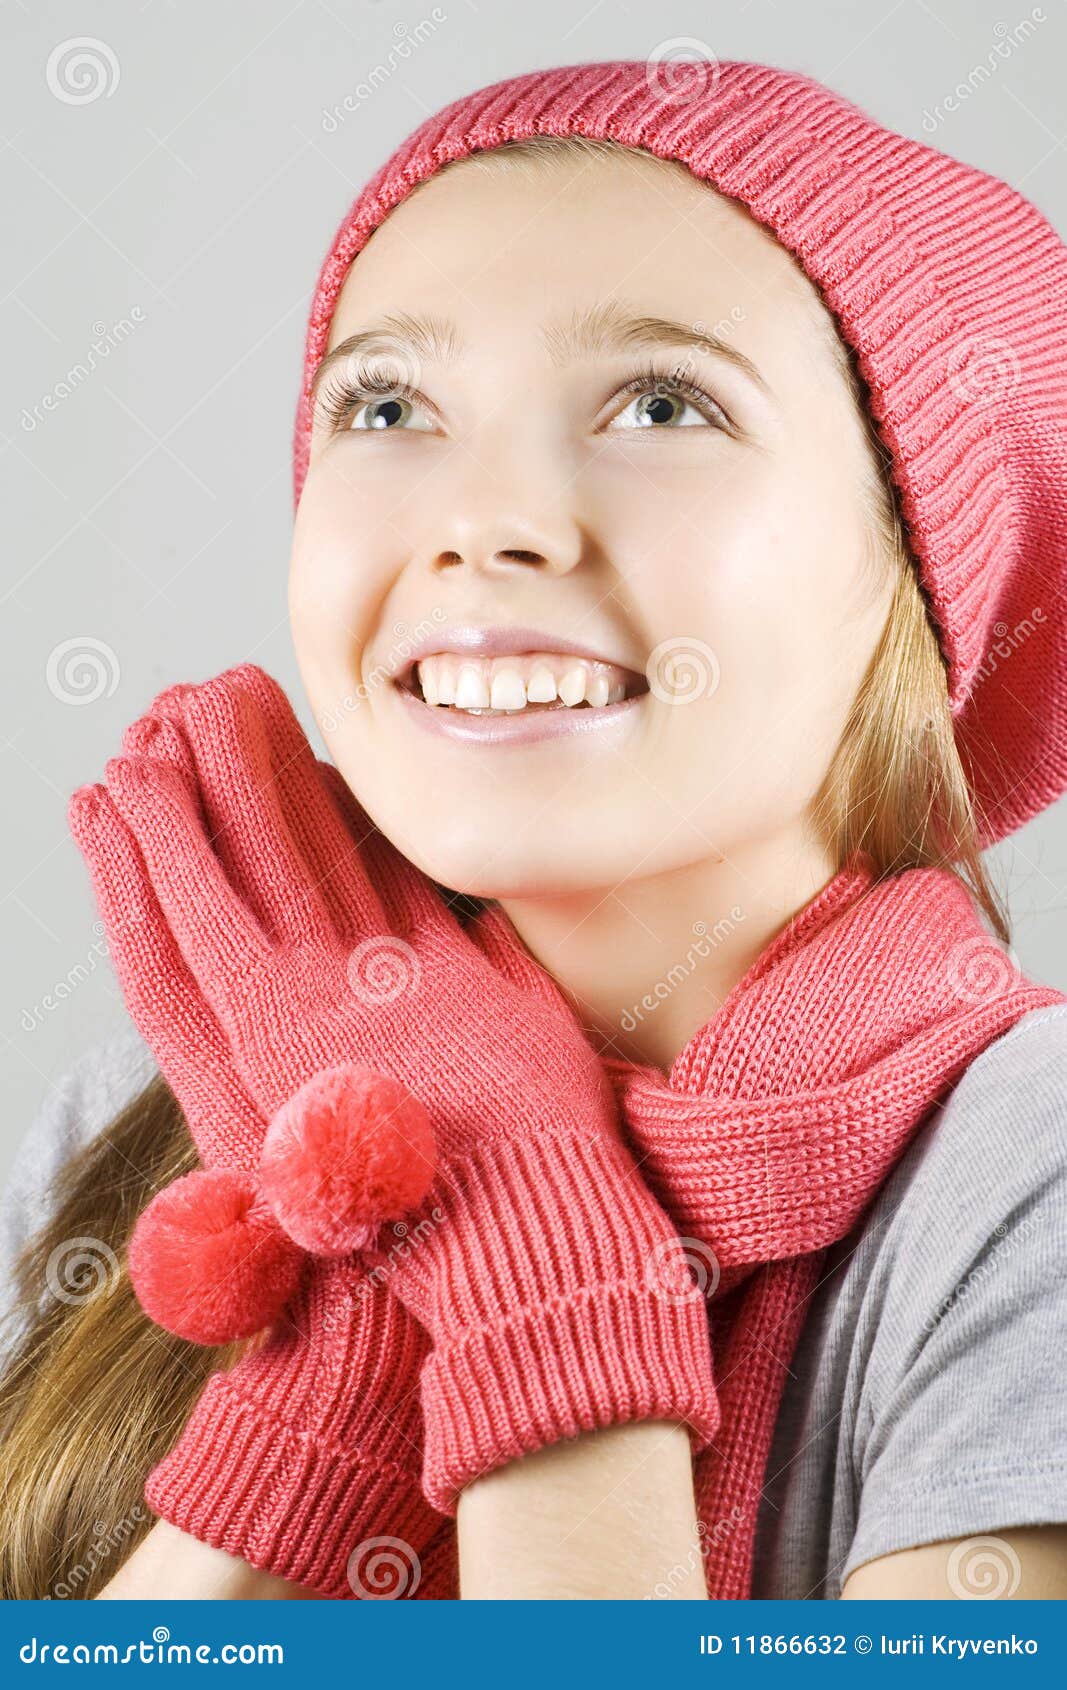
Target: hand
x,y
307,1454
533,1252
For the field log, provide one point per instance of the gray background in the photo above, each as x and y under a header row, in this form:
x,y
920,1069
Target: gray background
x,y
165,235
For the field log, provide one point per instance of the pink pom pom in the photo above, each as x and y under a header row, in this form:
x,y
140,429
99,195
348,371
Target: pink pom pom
x,y
350,1149
208,1260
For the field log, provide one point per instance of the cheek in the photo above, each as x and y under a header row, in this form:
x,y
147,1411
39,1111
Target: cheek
x,y
338,582
741,600
709,571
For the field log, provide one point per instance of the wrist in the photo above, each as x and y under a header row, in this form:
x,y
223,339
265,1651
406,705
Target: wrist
x,y
172,1565
603,1356
286,1500
542,1286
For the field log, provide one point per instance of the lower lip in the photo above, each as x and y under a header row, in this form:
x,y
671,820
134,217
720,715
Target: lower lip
x,y
521,727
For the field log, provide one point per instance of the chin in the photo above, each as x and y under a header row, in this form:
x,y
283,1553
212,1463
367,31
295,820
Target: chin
x,y
474,859
515,870
483,874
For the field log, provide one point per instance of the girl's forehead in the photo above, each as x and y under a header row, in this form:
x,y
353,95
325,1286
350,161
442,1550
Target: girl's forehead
x,y
551,282
610,209
480,244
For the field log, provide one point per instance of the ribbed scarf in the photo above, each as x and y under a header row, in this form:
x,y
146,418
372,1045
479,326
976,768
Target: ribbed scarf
x,y
775,1128
781,1118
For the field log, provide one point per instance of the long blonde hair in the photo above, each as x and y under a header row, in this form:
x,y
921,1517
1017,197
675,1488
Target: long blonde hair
x,y
96,1394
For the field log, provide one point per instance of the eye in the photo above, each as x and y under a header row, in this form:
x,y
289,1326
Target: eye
x,y
362,398
668,401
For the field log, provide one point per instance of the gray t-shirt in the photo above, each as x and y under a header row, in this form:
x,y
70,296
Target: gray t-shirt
x,y
926,1397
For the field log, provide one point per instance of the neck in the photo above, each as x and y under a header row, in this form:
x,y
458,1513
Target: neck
x,y
649,962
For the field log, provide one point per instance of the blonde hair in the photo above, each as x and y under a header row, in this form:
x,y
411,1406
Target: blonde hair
x,y
96,1394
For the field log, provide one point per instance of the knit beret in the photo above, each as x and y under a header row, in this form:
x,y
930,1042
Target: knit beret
x,y
950,287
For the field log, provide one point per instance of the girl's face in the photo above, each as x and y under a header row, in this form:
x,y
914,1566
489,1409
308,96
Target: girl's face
x,y
591,434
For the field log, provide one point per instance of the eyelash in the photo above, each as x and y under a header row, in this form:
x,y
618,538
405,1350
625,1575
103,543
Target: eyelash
x,y
364,385
675,381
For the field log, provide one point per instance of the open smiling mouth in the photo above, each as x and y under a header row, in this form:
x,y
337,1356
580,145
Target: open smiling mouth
x,y
518,697
532,681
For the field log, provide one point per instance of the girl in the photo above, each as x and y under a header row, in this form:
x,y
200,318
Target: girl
x,y
598,1147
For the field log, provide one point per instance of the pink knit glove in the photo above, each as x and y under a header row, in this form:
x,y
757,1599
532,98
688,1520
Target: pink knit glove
x,y
304,1458
406,1079
558,1293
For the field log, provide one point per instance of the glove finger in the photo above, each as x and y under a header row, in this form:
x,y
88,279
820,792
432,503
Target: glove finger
x,y
329,844
404,893
160,992
216,931
497,939
234,762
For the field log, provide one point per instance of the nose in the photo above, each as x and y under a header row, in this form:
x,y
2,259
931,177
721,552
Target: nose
x,y
509,547
494,558
492,531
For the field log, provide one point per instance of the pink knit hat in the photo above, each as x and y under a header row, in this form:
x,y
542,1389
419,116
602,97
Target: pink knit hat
x,y
952,290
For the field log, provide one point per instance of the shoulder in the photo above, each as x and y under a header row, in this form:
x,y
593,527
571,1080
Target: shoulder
x,y
994,1148
77,1106
1021,1075
960,1420
985,1174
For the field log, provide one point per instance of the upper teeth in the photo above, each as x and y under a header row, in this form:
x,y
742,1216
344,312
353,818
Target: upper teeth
x,y
510,683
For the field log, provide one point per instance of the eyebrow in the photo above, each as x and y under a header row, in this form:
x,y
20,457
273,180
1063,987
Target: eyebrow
x,y
608,327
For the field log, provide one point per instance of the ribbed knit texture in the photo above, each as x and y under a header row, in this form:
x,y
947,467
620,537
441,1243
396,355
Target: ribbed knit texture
x,y
303,1456
311,1447
569,1273
950,287
257,923
536,1280
781,1118
779,1121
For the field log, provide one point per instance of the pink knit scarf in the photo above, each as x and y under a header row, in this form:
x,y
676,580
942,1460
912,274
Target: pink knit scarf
x,y
776,1126
782,1117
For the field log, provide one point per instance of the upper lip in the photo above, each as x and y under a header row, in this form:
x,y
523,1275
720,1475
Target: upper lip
x,y
500,642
